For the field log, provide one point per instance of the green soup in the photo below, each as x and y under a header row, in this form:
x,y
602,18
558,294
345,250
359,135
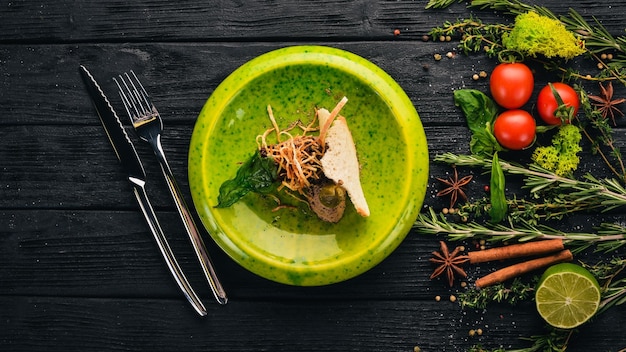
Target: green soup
x,y
294,246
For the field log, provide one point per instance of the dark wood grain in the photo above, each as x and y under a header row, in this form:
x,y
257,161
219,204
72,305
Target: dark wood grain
x,y
79,270
96,324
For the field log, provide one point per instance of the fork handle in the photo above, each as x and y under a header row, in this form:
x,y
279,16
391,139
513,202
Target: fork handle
x,y
164,247
190,226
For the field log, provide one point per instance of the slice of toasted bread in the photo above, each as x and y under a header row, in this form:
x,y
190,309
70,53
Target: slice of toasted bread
x,y
340,162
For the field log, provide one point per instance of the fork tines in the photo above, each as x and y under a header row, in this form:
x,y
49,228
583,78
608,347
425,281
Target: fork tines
x,y
135,98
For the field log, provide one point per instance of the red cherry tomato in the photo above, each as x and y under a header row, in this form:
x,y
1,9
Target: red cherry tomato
x,y
511,84
514,129
547,104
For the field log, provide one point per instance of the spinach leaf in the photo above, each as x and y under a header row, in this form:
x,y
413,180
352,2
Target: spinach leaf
x,y
498,199
480,111
257,174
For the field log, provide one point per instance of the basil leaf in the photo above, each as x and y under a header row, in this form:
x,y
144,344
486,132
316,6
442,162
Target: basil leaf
x,y
257,174
498,199
480,111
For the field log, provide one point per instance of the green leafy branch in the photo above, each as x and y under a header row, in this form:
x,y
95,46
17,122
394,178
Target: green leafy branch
x,y
476,36
604,139
588,193
596,37
573,196
609,237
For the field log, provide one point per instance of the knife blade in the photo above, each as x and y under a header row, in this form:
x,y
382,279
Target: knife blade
x,y
123,147
128,157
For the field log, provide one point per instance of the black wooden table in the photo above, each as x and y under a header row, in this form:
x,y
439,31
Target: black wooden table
x,y
78,268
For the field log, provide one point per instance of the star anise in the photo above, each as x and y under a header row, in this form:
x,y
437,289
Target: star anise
x,y
449,263
605,103
454,188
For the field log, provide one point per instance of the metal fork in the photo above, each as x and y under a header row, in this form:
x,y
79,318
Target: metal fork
x,y
149,125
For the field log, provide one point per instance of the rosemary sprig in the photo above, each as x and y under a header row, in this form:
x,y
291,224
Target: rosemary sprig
x,y
613,287
609,237
587,194
440,4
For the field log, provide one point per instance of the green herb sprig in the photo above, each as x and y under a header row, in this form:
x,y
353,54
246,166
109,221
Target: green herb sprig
x,y
613,286
602,139
518,290
597,39
609,238
476,36
588,193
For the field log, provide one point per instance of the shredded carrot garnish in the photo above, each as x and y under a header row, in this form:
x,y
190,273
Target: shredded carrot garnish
x,y
298,157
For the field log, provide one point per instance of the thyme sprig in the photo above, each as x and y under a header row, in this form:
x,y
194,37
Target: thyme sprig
x,y
517,291
548,208
475,36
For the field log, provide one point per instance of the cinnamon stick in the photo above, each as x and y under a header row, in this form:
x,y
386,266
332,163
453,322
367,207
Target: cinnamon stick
x,y
522,268
516,251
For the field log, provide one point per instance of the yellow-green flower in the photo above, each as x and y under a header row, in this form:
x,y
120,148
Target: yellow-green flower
x,y
560,157
534,35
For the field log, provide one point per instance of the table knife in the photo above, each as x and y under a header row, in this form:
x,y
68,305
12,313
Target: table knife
x,y
127,155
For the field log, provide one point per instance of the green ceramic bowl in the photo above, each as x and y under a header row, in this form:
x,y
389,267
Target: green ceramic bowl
x,y
290,246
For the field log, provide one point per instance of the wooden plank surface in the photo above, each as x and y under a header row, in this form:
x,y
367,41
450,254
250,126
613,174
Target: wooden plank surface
x,y
78,268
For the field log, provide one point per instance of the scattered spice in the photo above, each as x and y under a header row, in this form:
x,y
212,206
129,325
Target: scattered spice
x,y
606,104
455,187
396,32
452,298
437,57
449,263
515,270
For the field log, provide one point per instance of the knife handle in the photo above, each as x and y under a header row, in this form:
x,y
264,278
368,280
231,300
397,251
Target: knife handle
x,y
146,208
190,226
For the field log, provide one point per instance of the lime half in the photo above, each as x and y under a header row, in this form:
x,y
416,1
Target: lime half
x,y
567,295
